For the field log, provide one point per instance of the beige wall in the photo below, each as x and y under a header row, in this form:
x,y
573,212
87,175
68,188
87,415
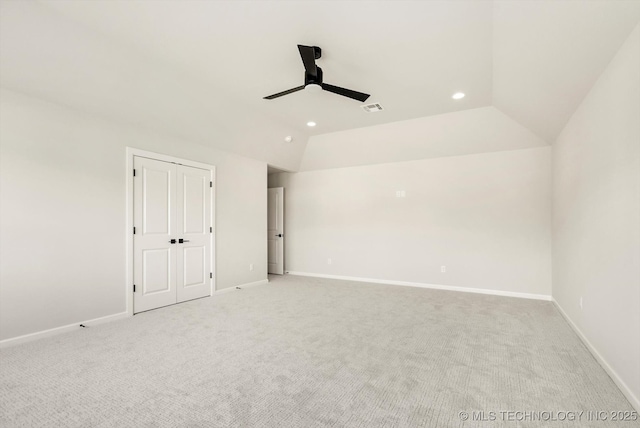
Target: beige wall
x,y
485,217
62,213
596,222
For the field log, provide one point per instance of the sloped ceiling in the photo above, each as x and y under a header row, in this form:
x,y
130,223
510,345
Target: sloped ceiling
x,y
484,129
548,54
199,69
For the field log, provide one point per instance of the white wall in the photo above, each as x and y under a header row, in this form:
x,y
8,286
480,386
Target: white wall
x,y
596,222
487,217
62,213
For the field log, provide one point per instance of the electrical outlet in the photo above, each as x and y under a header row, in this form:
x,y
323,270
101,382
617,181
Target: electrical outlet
x,y
401,194
328,261
250,266
443,269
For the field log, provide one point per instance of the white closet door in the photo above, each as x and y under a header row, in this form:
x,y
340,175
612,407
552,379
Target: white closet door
x,y
193,219
154,212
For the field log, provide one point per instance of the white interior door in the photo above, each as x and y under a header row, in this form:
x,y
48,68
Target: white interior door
x,y
172,244
154,259
193,229
275,228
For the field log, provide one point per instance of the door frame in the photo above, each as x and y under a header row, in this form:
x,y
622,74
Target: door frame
x,y
131,152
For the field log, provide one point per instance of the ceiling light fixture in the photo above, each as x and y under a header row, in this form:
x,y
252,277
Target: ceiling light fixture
x,y
288,139
311,124
458,95
313,87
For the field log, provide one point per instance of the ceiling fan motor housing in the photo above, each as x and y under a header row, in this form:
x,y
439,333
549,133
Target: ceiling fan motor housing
x,y
317,79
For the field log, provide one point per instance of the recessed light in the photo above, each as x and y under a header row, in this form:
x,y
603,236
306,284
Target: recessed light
x,y
311,124
458,96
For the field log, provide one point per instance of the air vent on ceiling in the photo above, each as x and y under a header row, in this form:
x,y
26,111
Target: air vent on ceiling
x,y
370,108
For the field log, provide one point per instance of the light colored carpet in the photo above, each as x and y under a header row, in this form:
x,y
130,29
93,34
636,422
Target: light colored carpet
x,y
303,352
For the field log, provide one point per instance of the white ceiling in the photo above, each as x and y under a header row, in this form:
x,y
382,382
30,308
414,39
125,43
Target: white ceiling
x,y
199,69
548,54
484,129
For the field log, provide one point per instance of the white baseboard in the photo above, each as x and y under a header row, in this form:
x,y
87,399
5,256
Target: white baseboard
x,y
254,284
71,327
59,330
432,286
635,402
247,285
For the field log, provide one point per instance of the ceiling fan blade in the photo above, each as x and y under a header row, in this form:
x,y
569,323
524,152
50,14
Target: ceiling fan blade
x,y
345,92
308,55
287,92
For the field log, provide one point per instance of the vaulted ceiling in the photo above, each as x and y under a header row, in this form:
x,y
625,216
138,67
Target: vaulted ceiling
x,y
199,69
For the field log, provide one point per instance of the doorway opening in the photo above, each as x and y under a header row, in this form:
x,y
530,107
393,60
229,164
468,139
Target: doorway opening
x,y
275,222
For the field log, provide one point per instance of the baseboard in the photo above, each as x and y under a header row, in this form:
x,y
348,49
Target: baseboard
x,y
431,286
59,330
71,327
633,400
247,285
254,284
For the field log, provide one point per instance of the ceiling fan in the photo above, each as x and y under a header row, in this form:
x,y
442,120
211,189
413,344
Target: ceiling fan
x,y
313,77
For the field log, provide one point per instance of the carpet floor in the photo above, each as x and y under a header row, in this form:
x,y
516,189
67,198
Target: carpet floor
x,y
306,352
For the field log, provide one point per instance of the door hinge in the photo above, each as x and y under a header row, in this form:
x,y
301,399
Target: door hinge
x,y
211,229
211,184
134,288
210,274
134,230
134,172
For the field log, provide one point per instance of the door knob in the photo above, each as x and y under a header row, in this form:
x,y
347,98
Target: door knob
x,y
182,241
173,241
279,235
